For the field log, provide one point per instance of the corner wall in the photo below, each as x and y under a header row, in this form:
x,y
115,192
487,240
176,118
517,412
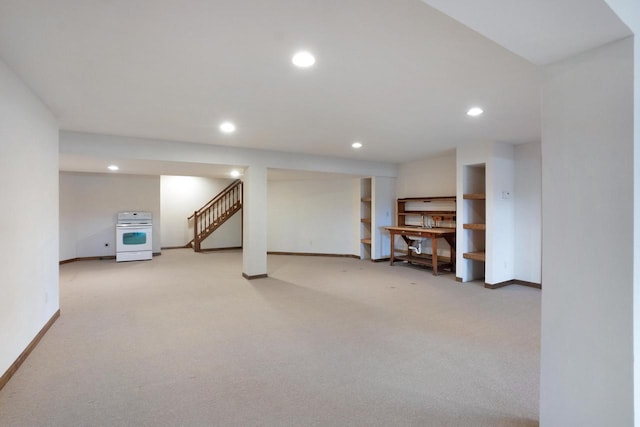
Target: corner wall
x,y
383,212
28,218
500,220
587,181
527,198
311,216
92,201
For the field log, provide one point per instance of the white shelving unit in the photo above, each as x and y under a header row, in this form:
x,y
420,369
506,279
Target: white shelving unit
x,y
485,226
474,221
377,210
366,201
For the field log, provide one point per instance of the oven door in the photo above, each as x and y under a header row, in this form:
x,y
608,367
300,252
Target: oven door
x,y
133,238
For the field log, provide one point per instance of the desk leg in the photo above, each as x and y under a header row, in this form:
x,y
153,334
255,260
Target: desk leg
x,y
451,240
393,247
434,256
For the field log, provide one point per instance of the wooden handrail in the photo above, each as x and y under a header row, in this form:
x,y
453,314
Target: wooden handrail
x,y
215,212
218,196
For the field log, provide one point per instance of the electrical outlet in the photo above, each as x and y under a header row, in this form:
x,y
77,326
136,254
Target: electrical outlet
x,y
506,195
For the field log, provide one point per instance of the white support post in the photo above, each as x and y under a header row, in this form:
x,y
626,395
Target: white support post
x,y
254,241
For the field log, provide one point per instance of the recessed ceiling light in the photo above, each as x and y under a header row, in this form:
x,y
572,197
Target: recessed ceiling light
x,y
235,173
475,111
303,59
113,167
357,145
227,127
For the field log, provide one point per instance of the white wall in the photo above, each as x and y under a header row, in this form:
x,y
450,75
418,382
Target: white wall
x,y
500,219
430,177
312,216
28,218
180,196
587,190
383,208
68,237
527,198
629,12
88,220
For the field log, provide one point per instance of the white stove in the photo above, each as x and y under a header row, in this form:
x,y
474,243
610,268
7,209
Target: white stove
x,y
134,232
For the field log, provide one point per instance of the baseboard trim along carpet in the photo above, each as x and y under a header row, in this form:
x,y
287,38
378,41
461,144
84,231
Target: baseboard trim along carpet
x,y
221,249
88,258
508,282
513,282
314,254
96,258
257,276
202,250
27,351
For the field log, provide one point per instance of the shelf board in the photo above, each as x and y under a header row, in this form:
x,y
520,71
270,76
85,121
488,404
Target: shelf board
x,y
428,199
365,199
405,213
475,256
424,259
366,241
474,226
366,220
474,196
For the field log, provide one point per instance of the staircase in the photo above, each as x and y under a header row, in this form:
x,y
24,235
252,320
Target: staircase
x,y
212,215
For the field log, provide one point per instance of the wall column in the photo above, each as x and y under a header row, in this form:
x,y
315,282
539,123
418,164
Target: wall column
x,y
636,224
587,302
254,240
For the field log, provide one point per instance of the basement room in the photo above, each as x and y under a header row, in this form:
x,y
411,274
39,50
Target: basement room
x,y
380,213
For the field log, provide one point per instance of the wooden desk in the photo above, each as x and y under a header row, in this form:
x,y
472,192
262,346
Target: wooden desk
x,y
431,260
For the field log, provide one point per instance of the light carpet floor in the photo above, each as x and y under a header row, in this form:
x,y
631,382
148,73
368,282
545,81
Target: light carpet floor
x,y
184,340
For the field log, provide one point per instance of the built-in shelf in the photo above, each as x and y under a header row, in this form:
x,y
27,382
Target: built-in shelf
x,y
449,213
473,216
428,199
474,196
474,226
427,211
474,256
366,220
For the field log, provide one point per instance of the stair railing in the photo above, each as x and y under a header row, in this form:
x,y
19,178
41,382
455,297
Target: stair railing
x,y
215,212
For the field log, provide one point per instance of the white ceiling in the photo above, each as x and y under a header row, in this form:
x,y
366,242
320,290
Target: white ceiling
x,y
542,31
397,75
